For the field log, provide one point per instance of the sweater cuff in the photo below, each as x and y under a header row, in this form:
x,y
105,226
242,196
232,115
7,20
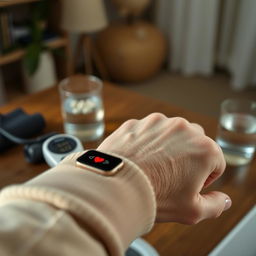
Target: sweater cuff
x,y
117,209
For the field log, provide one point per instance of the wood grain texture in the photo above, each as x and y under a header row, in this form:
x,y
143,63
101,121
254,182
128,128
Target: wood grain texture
x,y
120,105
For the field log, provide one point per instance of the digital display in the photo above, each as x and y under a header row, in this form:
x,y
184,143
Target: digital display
x,y
62,145
99,160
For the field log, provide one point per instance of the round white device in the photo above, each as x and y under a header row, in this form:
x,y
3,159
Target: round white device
x,y
140,247
59,146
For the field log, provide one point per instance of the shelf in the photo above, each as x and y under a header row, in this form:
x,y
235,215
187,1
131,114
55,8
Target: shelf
x,y
19,53
6,3
57,43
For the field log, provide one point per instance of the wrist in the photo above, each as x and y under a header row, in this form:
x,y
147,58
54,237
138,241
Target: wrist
x,y
118,208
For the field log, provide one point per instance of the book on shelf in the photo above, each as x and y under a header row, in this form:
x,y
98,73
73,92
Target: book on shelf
x,y
6,37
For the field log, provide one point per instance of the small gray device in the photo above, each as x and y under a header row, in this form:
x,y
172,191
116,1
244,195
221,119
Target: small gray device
x,y
59,146
140,247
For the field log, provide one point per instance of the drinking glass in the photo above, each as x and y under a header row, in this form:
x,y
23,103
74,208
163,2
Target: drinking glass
x,y
237,131
82,107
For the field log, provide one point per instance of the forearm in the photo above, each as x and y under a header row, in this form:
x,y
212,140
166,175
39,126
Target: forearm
x,y
33,228
114,210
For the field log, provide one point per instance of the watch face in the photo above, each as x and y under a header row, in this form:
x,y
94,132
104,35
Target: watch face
x,y
99,160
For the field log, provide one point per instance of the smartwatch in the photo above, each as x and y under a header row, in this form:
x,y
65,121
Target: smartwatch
x,y
98,162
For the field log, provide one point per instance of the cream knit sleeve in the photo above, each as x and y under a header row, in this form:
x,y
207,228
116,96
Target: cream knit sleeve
x,y
73,210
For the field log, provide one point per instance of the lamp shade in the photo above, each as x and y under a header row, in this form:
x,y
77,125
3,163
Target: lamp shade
x,y
83,15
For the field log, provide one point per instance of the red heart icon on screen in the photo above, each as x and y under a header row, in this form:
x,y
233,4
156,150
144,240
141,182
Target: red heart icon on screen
x,y
98,159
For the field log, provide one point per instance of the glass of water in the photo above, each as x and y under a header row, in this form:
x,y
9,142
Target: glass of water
x,y
82,107
237,131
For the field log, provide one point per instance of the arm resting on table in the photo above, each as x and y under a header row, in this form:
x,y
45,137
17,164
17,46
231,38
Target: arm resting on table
x,y
71,211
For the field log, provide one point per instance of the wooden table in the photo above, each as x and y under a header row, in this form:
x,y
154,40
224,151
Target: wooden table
x,y
120,105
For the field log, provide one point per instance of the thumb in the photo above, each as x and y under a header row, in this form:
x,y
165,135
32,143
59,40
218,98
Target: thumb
x,y
214,203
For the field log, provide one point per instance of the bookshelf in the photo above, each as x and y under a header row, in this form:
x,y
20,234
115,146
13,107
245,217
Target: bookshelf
x,y
6,3
17,55
60,42
64,64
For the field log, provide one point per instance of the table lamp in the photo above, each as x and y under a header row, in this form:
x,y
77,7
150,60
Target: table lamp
x,y
85,17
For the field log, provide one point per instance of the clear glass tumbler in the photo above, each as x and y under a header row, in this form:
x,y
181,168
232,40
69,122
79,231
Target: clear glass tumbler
x,y
237,131
82,107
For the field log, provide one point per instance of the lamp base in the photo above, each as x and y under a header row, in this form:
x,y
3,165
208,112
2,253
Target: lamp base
x,y
91,56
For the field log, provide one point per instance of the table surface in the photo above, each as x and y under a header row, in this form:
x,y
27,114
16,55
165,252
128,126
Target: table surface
x,y
120,105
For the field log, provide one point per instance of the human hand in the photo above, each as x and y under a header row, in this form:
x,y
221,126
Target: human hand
x,y
179,160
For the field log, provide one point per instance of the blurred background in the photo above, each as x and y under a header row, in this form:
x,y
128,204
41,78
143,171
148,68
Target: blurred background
x,y
192,54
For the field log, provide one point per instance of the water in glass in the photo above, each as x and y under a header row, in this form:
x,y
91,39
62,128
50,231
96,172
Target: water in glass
x,y
237,137
84,117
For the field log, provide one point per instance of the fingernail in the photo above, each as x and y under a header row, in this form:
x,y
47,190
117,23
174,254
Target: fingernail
x,y
228,203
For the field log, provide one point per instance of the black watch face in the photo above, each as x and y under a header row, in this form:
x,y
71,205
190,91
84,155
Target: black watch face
x,y
99,160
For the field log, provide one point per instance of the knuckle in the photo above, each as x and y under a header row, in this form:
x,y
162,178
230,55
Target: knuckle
x,y
205,142
205,151
198,127
156,116
208,145
181,123
212,147
129,123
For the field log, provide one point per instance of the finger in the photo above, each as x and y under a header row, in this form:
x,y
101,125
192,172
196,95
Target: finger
x,y
220,165
198,128
213,204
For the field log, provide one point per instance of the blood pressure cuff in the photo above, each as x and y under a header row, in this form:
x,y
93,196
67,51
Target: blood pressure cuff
x,y
20,124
